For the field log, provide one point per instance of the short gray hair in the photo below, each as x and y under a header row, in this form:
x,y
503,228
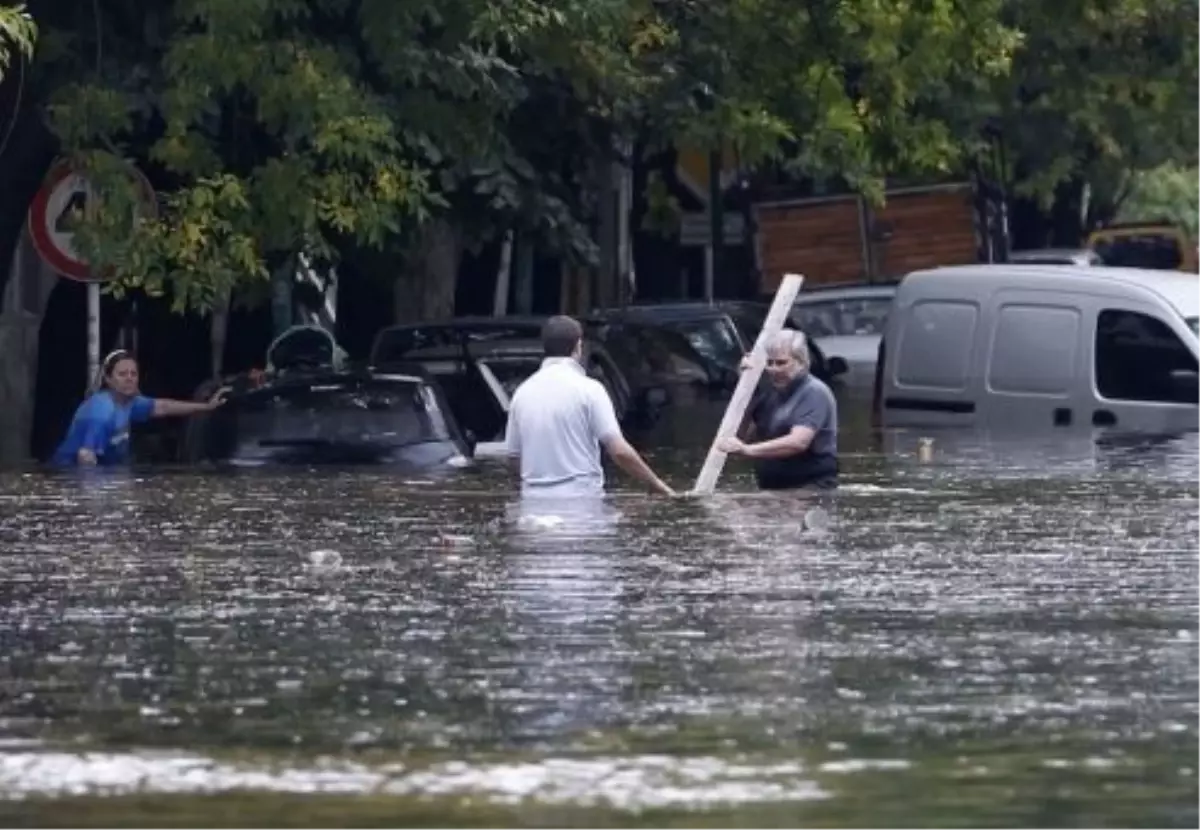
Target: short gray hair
x,y
794,343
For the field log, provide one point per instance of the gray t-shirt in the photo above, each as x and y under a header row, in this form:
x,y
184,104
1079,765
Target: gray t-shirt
x,y
807,402
557,420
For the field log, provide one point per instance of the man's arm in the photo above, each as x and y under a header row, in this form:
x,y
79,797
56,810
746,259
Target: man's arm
x,y
628,459
608,432
795,442
805,421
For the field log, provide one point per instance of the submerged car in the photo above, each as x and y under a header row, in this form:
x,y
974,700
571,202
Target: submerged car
x,y
710,332
719,334
331,416
474,357
480,379
1055,256
750,317
847,322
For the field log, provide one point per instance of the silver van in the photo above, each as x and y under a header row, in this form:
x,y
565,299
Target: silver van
x,y
1029,346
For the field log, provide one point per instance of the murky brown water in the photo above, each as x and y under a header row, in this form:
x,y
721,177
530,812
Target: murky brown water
x,y
1005,636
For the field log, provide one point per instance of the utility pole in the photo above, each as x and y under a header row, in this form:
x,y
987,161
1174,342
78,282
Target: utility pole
x,y
715,216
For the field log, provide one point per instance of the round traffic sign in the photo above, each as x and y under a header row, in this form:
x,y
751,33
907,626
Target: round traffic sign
x,y
62,193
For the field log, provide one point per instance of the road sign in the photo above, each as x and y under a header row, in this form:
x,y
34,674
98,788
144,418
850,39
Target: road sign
x,y
695,230
691,167
62,193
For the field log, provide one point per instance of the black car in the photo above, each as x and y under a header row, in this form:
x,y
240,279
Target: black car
x,y
467,340
331,416
721,333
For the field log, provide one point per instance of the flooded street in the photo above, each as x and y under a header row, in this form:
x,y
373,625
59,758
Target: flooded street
x,y
1005,635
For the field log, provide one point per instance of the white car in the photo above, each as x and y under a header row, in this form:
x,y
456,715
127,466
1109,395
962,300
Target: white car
x,y
847,321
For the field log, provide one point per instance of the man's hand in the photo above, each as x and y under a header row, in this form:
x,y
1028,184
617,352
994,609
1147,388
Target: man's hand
x,y
86,458
218,397
745,364
732,446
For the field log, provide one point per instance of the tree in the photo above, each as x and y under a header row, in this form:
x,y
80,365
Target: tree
x,y
1098,91
1169,192
851,91
17,35
281,126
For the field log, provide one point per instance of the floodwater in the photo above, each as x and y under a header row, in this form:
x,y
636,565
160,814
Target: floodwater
x,y
1003,635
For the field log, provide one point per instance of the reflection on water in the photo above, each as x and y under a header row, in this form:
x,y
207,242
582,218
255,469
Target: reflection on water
x,y
1020,617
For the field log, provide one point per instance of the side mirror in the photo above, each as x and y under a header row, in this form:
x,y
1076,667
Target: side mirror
x,y
836,366
471,440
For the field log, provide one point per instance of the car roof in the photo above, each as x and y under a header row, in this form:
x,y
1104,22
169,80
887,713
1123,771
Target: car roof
x,y
844,291
693,310
1180,289
399,372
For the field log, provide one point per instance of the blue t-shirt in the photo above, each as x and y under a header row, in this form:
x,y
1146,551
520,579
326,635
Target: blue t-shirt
x,y
102,426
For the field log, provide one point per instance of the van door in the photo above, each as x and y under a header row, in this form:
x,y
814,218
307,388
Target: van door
x,y
1034,360
1143,368
928,377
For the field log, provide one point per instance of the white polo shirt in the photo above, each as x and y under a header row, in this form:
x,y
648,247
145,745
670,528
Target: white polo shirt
x,y
557,420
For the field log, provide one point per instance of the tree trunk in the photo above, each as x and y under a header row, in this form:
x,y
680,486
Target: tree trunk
x,y
218,333
524,269
1067,214
424,290
21,310
605,283
503,276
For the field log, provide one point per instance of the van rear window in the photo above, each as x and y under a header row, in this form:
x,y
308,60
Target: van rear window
x,y
935,345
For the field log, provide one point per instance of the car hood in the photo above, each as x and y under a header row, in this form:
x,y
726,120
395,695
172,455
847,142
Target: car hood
x,y
856,348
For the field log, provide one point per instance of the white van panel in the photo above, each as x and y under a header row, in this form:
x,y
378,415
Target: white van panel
x,y
922,359
1034,349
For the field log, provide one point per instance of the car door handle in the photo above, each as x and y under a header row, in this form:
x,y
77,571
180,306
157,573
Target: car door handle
x,y
1103,418
1062,417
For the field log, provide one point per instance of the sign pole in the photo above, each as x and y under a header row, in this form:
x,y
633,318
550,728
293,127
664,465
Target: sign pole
x,y
781,306
93,330
709,275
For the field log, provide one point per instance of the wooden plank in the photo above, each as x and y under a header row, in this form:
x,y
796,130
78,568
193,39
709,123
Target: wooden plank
x,y
736,410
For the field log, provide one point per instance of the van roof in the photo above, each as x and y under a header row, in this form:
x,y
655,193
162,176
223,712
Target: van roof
x,y
1180,289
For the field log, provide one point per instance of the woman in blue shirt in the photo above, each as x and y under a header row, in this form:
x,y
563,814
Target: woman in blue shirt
x,y
99,432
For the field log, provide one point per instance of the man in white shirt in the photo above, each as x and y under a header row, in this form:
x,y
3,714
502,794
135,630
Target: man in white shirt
x,y
559,418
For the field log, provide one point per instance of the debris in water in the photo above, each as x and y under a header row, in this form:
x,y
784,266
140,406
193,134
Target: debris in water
x,y
325,559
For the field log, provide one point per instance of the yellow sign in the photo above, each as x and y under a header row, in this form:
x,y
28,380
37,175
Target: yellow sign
x,y
692,168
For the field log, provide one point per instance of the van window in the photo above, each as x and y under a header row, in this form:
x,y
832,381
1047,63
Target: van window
x,y
1034,349
1138,358
934,349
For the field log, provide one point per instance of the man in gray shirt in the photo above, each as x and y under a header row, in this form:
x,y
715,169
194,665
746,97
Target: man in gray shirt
x,y
795,416
559,418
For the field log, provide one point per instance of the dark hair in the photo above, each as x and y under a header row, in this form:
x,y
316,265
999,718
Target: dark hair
x,y
114,357
107,365
560,336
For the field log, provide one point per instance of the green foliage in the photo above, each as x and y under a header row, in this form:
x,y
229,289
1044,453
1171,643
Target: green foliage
x,y
1170,192
1098,89
277,145
835,89
276,126
18,34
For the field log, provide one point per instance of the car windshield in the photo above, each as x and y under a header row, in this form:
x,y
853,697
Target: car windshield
x,y
846,317
715,339
512,372
381,413
394,344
